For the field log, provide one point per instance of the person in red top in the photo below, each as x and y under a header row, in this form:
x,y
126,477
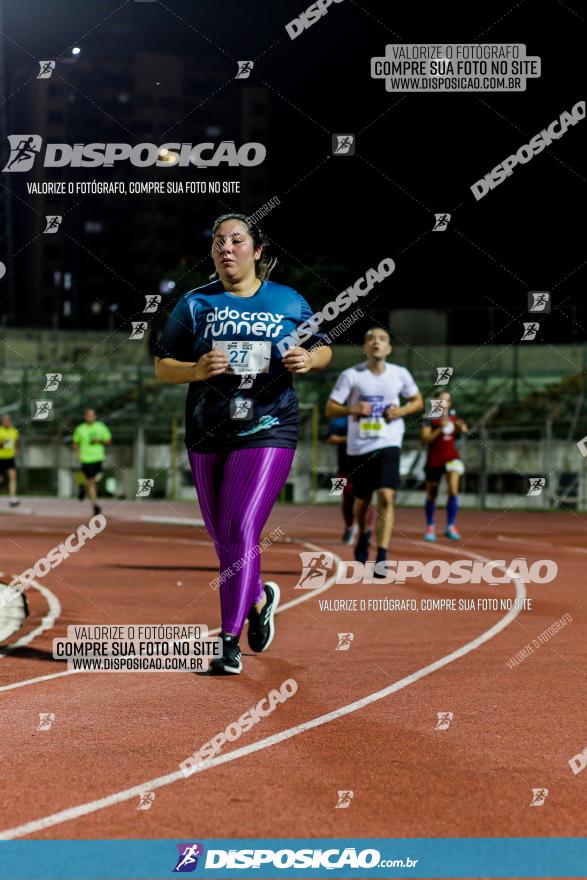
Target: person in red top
x,y
443,458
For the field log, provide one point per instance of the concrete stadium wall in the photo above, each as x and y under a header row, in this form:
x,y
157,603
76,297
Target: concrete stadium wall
x,y
52,469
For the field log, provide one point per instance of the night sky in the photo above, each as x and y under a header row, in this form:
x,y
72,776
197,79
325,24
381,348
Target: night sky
x,y
416,154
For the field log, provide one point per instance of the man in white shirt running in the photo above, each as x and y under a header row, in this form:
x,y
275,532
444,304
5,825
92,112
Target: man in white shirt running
x,y
370,395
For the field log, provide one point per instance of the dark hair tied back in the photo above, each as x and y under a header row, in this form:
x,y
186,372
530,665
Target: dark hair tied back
x,y
265,264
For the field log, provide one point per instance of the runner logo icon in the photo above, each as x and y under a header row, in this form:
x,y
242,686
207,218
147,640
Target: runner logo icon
x,y
338,484
444,719
315,569
146,800
42,410
53,380
343,145
187,861
539,301
152,302
23,151
139,328
46,719
144,488
539,795
530,331
537,484
241,408
344,641
438,408
441,222
444,375
344,800
46,69
53,222
244,69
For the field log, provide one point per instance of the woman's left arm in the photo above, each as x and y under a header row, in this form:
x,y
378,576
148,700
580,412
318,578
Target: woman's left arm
x,y
320,357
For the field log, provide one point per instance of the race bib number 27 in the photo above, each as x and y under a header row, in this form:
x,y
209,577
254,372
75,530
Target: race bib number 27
x,y
246,357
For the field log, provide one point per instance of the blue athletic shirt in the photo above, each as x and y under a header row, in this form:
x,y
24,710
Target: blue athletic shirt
x,y
210,314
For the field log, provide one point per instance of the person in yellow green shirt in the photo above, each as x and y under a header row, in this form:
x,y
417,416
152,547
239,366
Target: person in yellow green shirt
x,y
89,439
8,450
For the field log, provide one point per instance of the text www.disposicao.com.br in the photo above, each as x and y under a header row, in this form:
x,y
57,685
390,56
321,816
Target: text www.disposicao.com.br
x,y
136,664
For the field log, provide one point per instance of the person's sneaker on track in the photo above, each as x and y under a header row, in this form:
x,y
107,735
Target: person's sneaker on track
x,y
430,534
350,534
451,533
362,548
230,662
261,623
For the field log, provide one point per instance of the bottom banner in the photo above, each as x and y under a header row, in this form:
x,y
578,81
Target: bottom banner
x,y
301,858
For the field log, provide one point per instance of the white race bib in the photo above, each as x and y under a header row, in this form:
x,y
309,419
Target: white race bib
x,y
245,356
455,466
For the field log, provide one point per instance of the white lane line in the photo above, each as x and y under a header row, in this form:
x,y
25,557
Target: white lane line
x,y
16,511
27,681
128,793
46,623
172,520
531,543
309,594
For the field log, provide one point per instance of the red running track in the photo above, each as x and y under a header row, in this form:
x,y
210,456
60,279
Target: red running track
x,y
116,734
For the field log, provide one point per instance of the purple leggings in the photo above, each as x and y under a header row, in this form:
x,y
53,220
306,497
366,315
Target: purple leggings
x,y
236,491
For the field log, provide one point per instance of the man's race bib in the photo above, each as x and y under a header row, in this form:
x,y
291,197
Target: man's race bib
x,y
455,466
244,356
372,426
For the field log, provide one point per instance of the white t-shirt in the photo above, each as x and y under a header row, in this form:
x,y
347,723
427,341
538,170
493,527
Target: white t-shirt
x,y
367,433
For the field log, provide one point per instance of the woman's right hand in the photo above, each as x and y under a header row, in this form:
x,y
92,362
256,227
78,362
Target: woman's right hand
x,y
211,364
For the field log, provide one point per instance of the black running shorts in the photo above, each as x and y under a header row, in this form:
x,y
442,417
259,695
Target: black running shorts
x,y
434,474
374,470
92,469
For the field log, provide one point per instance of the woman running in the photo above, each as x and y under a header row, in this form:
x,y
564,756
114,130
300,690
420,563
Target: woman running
x,y
443,458
242,415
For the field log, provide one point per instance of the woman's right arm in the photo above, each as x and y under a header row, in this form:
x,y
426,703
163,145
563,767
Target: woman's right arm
x,y
336,410
428,434
174,372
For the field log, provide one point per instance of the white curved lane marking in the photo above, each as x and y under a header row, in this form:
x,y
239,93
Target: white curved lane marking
x,y
46,623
